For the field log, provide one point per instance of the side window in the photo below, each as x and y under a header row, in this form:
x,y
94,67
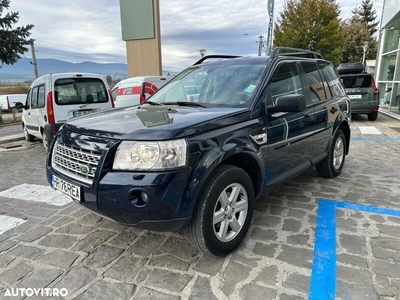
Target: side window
x,y
34,98
41,96
285,81
314,81
28,100
333,80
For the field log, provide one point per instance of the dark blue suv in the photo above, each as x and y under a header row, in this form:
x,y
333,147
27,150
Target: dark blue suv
x,y
198,162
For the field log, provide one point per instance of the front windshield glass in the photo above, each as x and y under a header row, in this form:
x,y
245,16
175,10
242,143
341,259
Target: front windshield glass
x,y
219,84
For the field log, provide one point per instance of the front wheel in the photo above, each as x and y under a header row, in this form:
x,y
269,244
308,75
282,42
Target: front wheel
x,y
223,213
332,165
28,137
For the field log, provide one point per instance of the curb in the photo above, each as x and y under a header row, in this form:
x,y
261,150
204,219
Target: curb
x,y
390,114
12,138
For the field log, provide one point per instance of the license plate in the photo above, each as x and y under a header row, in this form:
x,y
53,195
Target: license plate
x,y
355,96
79,113
67,188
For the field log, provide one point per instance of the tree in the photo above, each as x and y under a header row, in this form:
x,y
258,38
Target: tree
x,y
313,25
366,15
109,79
355,34
13,41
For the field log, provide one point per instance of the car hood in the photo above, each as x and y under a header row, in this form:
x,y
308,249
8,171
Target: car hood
x,y
155,122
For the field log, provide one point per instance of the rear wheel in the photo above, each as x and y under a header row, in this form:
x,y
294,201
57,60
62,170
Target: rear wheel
x,y
45,143
224,212
373,116
332,165
28,137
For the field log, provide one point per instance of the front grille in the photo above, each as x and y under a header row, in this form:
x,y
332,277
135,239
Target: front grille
x,y
78,163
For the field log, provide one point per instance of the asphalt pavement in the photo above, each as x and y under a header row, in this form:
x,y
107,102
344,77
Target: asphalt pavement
x,y
313,238
11,130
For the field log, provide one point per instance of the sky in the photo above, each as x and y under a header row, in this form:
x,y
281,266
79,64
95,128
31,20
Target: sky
x,y
90,30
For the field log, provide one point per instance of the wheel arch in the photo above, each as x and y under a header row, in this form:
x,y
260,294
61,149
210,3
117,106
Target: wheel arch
x,y
344,126
246,160
250,165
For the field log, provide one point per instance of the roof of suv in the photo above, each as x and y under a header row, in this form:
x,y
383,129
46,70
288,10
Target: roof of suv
x,y
281,52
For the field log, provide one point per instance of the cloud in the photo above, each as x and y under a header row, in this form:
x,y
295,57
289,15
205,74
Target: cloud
x,y
78,30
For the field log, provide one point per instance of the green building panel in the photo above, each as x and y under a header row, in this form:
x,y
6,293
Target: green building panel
x,y
137,19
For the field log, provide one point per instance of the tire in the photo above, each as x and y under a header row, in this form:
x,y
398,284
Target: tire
x,y
219,224
14,110
45,143
373,116
28,137
332,165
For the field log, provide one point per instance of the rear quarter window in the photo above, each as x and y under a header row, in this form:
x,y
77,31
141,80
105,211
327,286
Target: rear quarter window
x,y
334,82
68,91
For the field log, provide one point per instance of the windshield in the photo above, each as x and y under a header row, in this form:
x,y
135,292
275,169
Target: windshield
x,y
220,84
79,91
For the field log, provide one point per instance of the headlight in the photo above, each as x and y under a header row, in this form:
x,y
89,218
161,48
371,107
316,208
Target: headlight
x,y
151,156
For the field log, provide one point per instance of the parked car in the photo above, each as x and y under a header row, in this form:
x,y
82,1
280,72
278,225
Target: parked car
x,y
170,164
55,98
135,90
361,89
12,102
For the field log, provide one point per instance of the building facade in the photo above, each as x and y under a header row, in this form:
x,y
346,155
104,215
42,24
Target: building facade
x,y
387,71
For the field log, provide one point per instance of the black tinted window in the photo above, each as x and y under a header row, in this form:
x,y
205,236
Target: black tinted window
x,y
79,91
356,82
286,81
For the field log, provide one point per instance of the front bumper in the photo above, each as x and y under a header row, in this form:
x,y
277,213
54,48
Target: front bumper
x,y
360,109
117,195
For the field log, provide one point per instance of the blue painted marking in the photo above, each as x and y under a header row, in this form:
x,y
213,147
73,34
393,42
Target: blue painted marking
x,y
385,139
323,273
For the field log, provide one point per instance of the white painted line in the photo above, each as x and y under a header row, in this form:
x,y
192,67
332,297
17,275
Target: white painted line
x,y
7,223
36,193
369,130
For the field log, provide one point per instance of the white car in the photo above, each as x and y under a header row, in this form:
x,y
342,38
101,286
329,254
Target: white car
x,y
55,98
135,90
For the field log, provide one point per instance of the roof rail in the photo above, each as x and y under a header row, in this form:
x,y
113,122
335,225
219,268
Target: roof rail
x,y
214,56
295,52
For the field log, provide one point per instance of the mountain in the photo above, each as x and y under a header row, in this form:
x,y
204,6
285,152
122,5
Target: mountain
x,y
23,69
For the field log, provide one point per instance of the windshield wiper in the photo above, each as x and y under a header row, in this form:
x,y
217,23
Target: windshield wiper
x,y
82,106
153,103
184,103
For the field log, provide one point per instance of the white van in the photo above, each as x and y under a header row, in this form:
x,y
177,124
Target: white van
x,y
12,102
55,98
135,90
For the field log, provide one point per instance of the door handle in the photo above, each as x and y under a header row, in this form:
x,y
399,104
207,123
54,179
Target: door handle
x,y
333,110
308,119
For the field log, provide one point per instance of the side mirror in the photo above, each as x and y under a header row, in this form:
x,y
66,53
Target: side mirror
x,y
289,103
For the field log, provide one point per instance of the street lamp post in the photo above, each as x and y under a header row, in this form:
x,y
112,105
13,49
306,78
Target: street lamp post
x,y
365,47
202,52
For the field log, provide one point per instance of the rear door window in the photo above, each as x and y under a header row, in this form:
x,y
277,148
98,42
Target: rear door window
x,y
70,91
359,81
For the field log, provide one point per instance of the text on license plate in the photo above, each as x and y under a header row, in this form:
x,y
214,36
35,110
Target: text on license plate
x,y
67,188
355,96
81,112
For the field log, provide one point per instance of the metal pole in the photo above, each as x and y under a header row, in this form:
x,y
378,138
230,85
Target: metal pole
x,y
270,32
33,62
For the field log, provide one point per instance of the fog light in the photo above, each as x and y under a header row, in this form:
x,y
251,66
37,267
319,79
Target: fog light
x,y
144,197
